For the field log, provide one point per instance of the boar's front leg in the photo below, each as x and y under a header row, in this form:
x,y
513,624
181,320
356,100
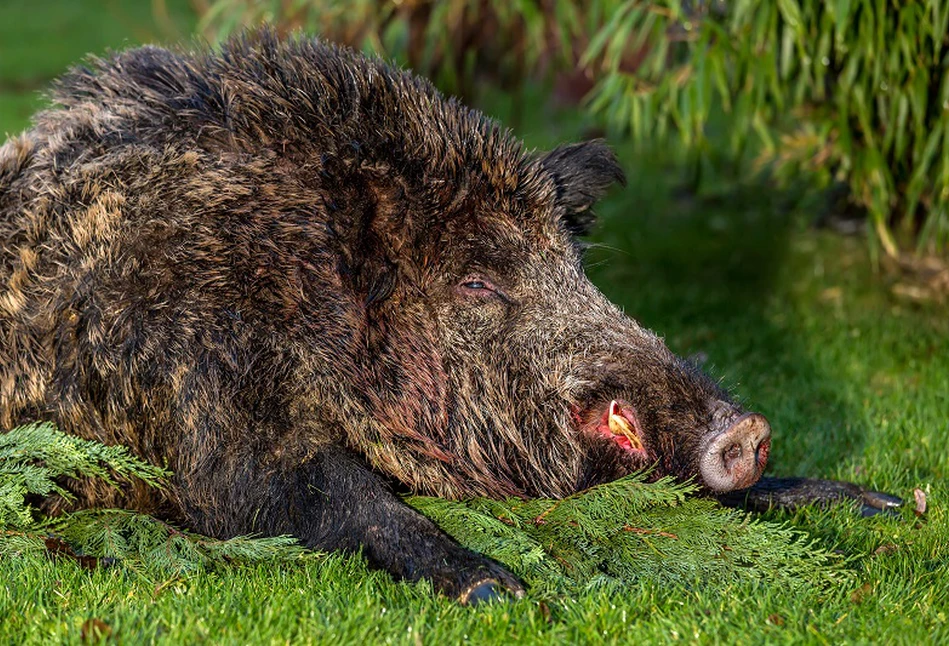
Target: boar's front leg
x,y
790,493
335,502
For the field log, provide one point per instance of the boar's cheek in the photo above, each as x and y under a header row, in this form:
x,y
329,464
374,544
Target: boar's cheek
x,y
407,386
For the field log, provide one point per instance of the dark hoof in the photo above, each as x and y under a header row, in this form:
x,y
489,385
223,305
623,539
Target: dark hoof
x,y
875,502
487,591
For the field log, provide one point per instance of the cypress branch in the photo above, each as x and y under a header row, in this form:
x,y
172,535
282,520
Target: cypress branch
x,y
35,456
615,534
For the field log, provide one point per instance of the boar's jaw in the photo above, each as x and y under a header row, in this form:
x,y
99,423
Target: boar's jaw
x,y
736,457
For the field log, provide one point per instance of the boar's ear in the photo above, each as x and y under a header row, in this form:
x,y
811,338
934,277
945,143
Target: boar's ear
x,y
364,261
582,173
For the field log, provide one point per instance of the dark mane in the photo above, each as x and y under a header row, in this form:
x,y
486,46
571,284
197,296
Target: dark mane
x,y
261,91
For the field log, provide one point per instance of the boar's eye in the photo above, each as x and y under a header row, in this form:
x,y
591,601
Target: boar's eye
x,y
479,287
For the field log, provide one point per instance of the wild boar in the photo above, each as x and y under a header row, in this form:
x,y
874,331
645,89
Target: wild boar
x,y
305,281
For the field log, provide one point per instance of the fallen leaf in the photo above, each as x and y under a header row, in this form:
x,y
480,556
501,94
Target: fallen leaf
x,y
57,547
920,497
94,630
912,292
886,548
545,612
858,595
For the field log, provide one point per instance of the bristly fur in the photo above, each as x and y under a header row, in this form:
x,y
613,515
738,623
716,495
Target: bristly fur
x,y
295,276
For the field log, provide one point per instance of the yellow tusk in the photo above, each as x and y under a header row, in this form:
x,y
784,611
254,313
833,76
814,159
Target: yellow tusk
x,y
619,425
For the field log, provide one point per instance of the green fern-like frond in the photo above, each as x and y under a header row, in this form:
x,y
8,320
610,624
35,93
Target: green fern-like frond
x,y
605,538
34,456
32,460
629,530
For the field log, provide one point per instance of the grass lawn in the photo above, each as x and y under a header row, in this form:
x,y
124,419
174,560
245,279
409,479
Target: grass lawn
x,y
854,382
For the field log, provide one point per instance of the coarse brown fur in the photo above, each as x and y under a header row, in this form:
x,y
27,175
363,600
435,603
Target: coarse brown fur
x,y
297,277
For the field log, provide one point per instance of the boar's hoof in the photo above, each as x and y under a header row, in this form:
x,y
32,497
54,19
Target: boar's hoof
x,y
481,592
489,590
876,502
471,578
792,493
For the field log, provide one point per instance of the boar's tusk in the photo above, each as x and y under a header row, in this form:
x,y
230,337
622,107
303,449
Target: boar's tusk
x,y
619,425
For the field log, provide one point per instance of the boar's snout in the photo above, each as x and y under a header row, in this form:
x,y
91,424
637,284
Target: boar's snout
x,y
734,458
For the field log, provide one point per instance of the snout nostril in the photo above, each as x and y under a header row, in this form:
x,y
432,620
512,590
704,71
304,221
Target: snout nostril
x,y
731,455
735,457
761,451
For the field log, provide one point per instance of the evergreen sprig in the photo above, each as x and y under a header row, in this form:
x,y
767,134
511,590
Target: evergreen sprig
x,y
629,530
603,538
33,458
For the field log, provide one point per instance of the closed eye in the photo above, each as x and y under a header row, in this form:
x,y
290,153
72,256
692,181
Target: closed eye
x,y
480,287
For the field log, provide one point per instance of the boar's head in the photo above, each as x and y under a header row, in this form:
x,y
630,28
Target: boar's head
x,y
499,369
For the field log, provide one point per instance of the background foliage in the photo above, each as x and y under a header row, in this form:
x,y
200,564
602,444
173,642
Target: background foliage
x,y
852,92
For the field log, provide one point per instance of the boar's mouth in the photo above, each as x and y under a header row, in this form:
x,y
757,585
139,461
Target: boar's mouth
x,y
619,423
731,455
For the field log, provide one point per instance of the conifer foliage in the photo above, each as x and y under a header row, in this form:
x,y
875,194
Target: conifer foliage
x,y
603,538
34,460
35,456
626,531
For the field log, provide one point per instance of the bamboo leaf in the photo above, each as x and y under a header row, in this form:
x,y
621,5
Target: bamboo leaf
x,y
870,74
840,10
602,38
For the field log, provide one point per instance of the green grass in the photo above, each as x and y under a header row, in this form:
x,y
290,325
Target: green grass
x,y
855,383
39,39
